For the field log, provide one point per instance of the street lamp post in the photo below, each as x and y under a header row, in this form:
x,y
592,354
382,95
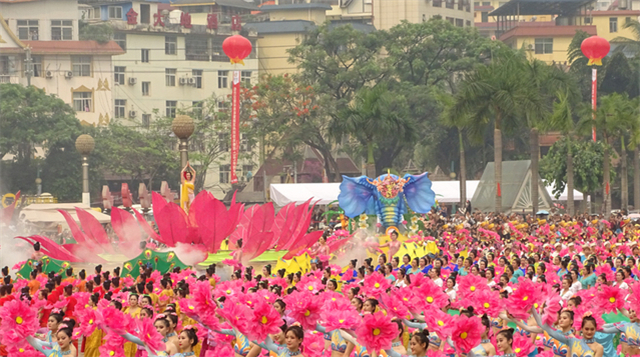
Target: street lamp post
x,y
85,145
183,126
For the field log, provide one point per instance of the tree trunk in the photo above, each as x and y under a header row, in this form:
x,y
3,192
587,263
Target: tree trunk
x,y
606,184
371,164
463,174
497,159
570,203
636,178
624,184
534,169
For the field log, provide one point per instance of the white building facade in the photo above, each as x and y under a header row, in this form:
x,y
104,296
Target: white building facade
x,y
78,72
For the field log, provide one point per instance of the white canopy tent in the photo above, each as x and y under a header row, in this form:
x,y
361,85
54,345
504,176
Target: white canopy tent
x,y
48,213
325,193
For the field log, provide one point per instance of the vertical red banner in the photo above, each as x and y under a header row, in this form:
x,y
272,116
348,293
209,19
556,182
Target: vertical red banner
x,y
235,125
594,98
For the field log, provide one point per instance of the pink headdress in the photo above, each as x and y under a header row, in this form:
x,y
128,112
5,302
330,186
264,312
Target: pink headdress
x,y
583,311
376,332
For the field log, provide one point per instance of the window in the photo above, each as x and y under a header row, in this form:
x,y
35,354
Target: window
x,y
36,62
244,143
613,24
225,171
246,171
437,3
121,106
28,30
171,108
119,74
627,20
484,16
224,141
449,4
61,30
81,66
82,101
544,45
144,56
217,54
223,106
476,4
486,3
170,74
145,13
460,22
146,120
223,79
170,45
587,20
450,19
197,75
468,23
196,109
121,40
115,12
145,88
245,78
196,49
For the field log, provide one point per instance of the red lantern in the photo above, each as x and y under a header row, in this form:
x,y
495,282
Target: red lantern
x,y
595,48
237,48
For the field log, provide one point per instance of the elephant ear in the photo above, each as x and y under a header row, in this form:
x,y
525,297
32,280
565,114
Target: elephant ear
x,y
356,196
420,197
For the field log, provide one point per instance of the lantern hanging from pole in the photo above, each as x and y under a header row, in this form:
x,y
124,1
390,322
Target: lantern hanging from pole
x,y
237,48
595,48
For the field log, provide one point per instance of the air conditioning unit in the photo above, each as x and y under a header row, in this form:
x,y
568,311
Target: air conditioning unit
x,y
183,81
68,74
132,80
191,81
48,74
132,114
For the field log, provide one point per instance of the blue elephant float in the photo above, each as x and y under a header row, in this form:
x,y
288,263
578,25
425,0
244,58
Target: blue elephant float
x,y
386,196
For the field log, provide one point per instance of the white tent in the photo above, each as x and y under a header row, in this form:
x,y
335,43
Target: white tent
x,y
325,193
48,213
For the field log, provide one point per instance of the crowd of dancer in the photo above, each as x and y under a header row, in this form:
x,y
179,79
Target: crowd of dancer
x,y
496,285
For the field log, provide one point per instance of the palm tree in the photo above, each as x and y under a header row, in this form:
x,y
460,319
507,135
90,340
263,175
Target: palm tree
x,y
497,93
562,119
615,116
458,122
629,44
548,81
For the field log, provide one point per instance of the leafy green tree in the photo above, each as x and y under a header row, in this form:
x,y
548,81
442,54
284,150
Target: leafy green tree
x,y
588,164
497,93
102,32
372,116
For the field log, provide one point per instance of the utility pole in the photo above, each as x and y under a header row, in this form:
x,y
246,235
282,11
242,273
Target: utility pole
x,y
28,68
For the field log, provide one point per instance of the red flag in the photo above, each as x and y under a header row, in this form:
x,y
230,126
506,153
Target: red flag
x,y
499,191
235,125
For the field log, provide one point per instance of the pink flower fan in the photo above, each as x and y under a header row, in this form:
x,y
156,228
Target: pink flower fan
x,y
580,312
339,316
58,305
486,302
19,319
377,331
313,344
634,297
280,282
375,284
221,350
439,322
113,319
265,320
431,296
467,332
522,345
408,298
607,271
88,319
113,346
395,307
469,284
610,298
267,295
311,284
22,351
146,332
551,310
522,299
227,288
236,314
434,353
202,298
18,265
304,308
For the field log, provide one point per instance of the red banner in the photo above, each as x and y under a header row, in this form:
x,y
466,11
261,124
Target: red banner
x,y
235,125
594,98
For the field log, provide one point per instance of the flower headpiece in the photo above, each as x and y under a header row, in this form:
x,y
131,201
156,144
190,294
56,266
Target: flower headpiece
x,y
63,326
190,327
586,313
56,311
